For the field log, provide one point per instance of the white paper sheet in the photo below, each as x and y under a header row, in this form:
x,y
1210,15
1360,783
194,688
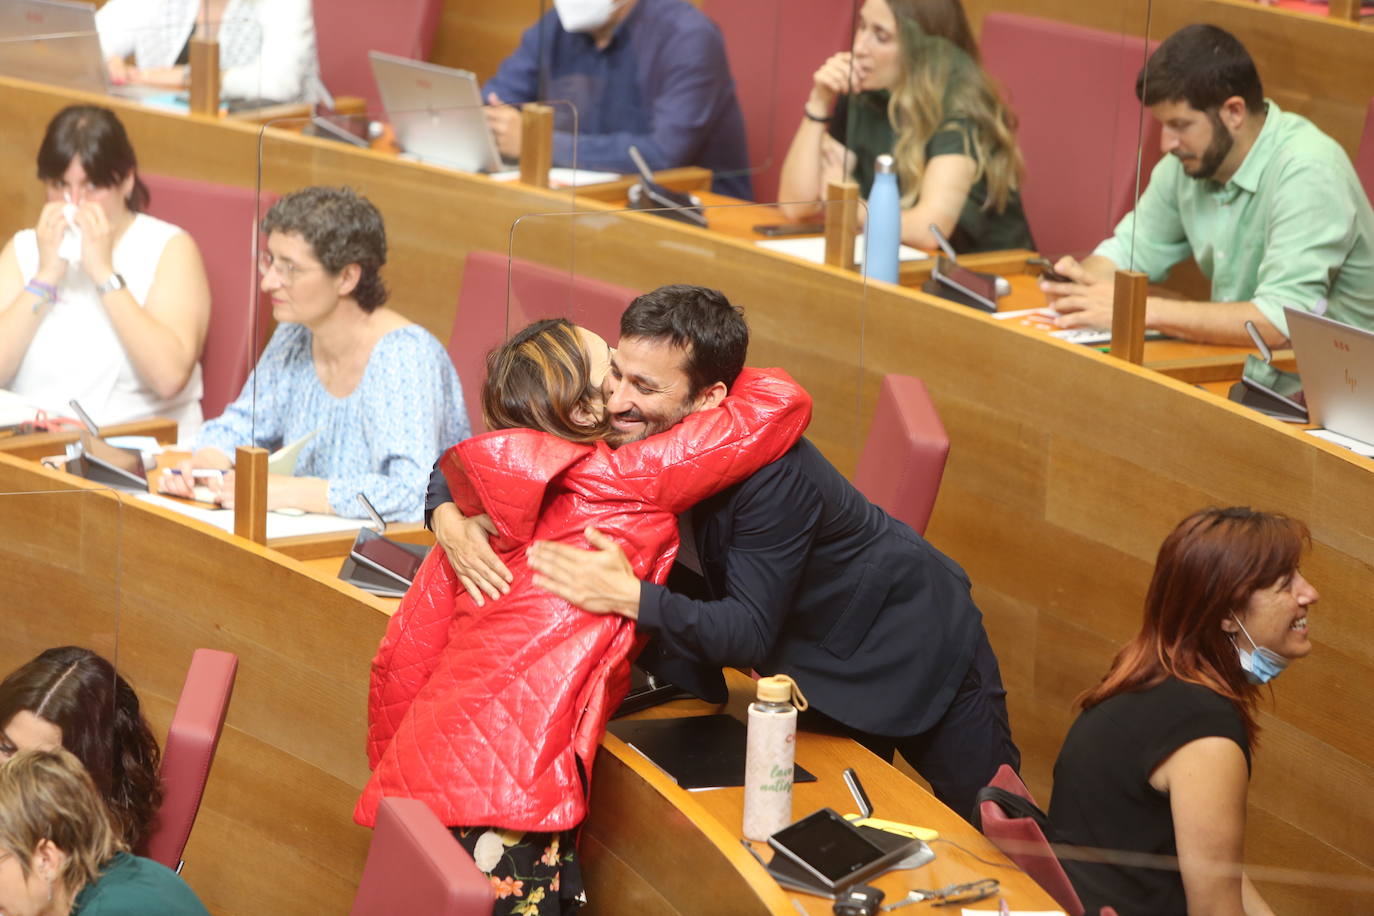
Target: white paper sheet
x,y
812,248
1355,445
561,177
278,526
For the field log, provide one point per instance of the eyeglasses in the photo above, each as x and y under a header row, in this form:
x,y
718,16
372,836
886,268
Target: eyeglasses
x,y
287,271
953,895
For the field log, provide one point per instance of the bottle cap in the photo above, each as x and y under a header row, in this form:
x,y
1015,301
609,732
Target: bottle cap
x,y
884,164
780,688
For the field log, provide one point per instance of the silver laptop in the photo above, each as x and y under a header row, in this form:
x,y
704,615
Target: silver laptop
x,y
1336,362
436,113
55,42
52,41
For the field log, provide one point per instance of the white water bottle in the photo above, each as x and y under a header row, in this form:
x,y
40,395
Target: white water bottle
x,y
769,756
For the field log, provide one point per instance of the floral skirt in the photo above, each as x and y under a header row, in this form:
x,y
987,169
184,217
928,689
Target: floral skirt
x,y
531,874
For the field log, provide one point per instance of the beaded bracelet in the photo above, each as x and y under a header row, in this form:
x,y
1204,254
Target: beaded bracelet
x,y
46,293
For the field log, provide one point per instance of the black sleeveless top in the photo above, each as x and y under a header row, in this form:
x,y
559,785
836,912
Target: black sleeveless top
x,y
1102,793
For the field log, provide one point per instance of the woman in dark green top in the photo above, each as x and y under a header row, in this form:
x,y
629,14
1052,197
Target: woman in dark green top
x,y
913,87
59,855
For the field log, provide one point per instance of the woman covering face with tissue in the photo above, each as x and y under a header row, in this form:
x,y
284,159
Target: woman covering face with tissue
x,y
101,302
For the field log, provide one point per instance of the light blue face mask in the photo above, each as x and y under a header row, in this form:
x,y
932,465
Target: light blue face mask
x,y
1262,665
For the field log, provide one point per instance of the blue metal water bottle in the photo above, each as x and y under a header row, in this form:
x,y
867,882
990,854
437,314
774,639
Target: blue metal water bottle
x,y
884,223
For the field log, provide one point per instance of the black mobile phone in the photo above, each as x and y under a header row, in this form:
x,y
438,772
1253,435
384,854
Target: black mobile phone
x,y
1047,271
776,230
833,852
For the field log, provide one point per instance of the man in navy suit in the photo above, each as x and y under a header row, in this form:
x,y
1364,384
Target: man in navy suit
x,y
793,571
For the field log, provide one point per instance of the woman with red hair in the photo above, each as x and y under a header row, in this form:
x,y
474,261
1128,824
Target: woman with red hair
x,y
1159,761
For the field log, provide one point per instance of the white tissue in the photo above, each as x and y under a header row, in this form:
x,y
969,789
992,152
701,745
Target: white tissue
x,y
69,249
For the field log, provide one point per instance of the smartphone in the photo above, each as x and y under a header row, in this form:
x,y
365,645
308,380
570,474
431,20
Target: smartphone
x,y
777,230
975,289
1047,271
833,852
386,555
1284,387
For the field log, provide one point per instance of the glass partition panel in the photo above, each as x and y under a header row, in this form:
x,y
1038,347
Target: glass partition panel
x,y
61,561
587,267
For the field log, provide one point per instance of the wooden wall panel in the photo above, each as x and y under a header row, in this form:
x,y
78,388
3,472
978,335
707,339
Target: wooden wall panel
x,y
1067,468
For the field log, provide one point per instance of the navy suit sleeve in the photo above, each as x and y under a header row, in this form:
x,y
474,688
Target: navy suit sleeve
x,y
517,79
689,77
776,515
438,492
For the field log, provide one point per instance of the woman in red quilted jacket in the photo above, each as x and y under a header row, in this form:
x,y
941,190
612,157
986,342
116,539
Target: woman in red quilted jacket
x,y
492,715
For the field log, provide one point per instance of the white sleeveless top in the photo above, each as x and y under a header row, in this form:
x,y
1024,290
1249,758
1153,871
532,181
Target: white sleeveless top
x,y
76,352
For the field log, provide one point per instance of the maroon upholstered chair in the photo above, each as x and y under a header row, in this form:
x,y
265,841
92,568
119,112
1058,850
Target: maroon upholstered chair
x,y
502,294
904,457
416,866
1073,91
774,46
1364,159
345,30
223,220
190,750
1022,841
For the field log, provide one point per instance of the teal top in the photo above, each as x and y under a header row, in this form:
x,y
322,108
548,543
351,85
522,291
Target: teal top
x,y
860,122
134,886
1292,226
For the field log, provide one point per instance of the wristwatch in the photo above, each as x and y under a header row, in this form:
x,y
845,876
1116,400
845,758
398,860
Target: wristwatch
x,y
113,283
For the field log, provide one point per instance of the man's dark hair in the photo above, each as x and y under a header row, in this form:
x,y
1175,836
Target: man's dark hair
x,y
342,227
1202,65
701,321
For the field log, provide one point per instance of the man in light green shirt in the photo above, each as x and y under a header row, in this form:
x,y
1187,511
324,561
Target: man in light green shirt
x,y
1267,204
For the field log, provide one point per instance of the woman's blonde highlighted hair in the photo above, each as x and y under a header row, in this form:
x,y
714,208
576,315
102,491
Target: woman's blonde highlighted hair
x,y
540,379
942,78
48,795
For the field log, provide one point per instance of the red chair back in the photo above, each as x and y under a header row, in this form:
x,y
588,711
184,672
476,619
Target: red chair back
x,y
1364,159
415,865
190,750
774,46
1022,841
223,220
1073,92
904,457
502,294
347,29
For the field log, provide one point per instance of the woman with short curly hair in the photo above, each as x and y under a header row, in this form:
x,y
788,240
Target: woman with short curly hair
x,y
374,395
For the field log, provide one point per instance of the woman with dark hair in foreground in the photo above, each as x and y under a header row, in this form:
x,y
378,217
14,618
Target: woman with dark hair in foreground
x,y
70,697
1159,760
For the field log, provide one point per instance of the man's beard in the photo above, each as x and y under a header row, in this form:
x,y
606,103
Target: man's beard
x,y
651,425
1216,152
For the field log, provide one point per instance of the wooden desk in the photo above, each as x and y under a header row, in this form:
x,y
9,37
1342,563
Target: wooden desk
x,y
670,851
40,445
1067,467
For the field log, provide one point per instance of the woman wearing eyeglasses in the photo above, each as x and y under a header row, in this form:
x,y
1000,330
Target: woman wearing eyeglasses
x,y
375,393
100,301
1159,760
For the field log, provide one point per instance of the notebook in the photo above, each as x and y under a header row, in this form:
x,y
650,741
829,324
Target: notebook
x,y
1336,362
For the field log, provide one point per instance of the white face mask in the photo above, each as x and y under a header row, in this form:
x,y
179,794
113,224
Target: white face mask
x,y
585,15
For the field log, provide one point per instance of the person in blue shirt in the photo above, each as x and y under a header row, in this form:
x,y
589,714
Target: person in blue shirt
x,y
374,395
645,73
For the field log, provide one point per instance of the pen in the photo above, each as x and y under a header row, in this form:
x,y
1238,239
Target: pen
x,y
1002,908
197,473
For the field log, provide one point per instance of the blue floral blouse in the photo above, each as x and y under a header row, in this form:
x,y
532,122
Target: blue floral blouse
x,y
381,440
